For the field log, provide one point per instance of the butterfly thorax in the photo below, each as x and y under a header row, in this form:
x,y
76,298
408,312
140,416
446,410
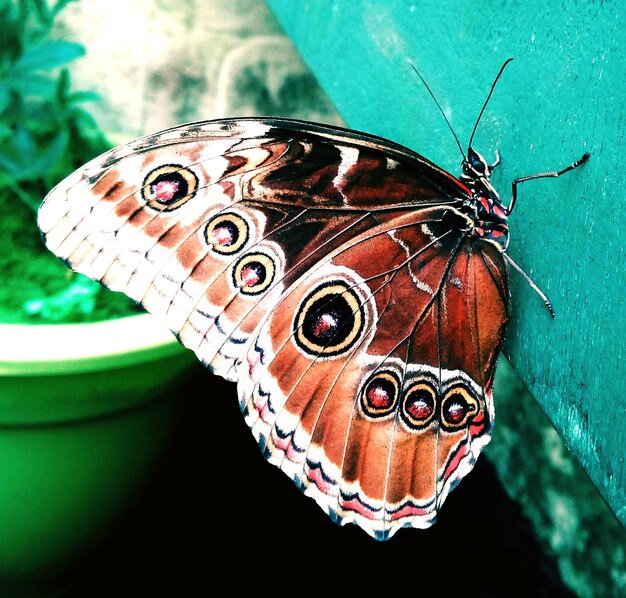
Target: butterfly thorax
x,y
484,205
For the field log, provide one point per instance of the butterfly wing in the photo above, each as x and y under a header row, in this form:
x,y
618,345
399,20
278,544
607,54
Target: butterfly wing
x,y
370,384
328,273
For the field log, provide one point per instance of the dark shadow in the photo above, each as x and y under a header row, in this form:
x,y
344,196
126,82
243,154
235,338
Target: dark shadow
x,y
218,516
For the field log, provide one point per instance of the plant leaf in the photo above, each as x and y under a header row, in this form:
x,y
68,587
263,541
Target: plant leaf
x,y
84,96
5,97
47,55
32,84
50,153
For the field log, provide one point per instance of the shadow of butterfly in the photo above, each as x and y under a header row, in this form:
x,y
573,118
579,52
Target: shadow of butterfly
x,y
355,291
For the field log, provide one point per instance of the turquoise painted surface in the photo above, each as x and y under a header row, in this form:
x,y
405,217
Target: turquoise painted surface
x,y
564,94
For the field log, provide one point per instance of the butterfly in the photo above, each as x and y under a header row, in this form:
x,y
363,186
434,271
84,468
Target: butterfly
x,y
356,293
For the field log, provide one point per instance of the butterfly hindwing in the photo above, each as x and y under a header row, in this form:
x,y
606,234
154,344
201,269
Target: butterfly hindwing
x,y
331,274
379,420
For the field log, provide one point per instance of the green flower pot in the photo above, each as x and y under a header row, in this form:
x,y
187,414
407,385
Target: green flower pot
x,y
86,411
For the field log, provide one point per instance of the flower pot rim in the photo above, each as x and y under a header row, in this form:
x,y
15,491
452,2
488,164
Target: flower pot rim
x,y
44,349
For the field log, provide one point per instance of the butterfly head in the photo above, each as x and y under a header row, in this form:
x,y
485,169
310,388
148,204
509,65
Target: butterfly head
x,y
475,166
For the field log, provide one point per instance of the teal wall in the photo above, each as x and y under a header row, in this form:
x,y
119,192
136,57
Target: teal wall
x,y
564,94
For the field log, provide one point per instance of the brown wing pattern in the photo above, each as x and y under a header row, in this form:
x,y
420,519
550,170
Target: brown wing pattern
x,y
326,272
381,420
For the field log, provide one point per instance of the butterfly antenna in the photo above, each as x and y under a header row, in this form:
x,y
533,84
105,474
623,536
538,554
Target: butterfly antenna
x,y
432,95
493,86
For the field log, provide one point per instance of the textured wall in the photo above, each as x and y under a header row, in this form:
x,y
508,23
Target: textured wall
x,y
158,64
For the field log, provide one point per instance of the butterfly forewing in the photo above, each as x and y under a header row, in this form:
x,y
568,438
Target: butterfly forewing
x,y
331,274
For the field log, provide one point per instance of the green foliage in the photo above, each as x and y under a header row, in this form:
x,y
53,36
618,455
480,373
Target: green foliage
x,y
45,134
44,131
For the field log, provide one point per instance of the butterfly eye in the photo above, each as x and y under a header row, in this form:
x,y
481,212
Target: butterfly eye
x,y
457,407
168,187
379,396
476,162
227,233
329,321
254,273
418,405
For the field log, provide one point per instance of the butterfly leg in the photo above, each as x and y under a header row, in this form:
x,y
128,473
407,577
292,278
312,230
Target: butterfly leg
x,y
532,284
555,174
496,162
543,175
